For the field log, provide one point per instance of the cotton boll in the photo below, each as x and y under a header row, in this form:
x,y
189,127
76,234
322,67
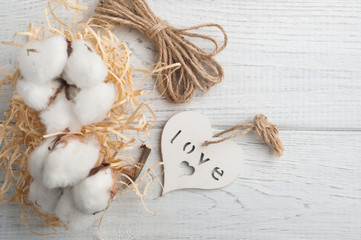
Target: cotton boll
x,y
84,68
59,116
46,199
36,96
93,193
37,158
92,105
68,164
43,61
70,215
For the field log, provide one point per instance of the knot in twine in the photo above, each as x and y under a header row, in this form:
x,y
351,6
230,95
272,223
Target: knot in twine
x,y
157,28
267,131
195,68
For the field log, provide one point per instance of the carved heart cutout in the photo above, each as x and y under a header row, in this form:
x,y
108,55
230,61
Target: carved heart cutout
x,y
186,169
215,166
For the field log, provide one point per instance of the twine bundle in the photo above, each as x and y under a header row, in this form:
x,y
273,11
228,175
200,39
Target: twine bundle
x,y
267,131
198,69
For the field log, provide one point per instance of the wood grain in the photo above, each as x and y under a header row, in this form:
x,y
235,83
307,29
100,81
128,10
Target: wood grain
x,y
299,63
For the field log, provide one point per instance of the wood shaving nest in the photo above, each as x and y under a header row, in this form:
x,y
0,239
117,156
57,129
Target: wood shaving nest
x,y
22,130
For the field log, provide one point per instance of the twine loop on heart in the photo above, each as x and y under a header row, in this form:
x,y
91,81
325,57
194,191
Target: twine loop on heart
x,y
267,131
197,68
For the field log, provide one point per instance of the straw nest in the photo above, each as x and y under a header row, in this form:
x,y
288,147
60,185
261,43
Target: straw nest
x,y
22,130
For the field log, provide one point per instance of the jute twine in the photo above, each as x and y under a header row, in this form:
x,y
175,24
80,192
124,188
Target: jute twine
x,y
198,69
267,131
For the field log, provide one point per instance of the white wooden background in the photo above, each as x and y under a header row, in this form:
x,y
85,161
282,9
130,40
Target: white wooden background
x,y
299,63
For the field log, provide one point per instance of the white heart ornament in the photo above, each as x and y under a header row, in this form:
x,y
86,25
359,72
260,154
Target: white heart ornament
x,y
215,166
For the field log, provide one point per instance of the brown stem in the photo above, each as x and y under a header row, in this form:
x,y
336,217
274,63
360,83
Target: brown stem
x,y
134,173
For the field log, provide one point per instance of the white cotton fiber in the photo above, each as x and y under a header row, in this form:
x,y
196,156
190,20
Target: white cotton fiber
x,y
68,164
37,159
46,199
43,61
93,193
36,96
92,105
84,68
70,215
59,116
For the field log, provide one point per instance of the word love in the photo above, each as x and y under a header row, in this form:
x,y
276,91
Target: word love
x,y
215,166
202,160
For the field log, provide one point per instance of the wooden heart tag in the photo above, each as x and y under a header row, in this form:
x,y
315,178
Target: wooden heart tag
x,y
182,143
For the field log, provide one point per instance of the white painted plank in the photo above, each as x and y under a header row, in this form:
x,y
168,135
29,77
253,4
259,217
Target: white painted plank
x,y
313,192
299,63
